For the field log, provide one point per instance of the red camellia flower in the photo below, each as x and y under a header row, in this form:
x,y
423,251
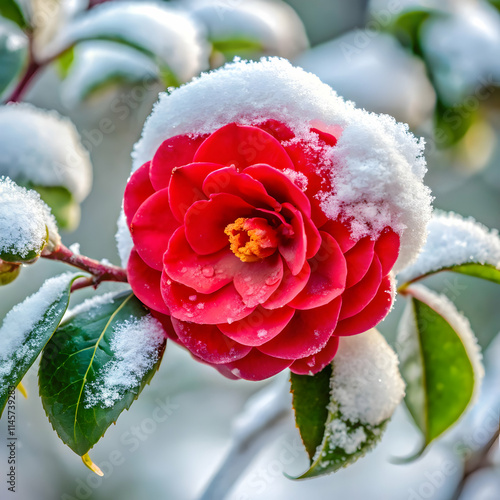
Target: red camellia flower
x,y
231,244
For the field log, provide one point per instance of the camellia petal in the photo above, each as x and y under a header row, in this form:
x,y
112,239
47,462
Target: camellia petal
x,y
145,281
151,228
174,152
258,327
306,334
371,315
242,146
280,187
257,366
387,249
356,298
206,221
186,185
228,180
186,304
257,281
137,191
289,287
203,273
316,362
328,276
359,260
208,343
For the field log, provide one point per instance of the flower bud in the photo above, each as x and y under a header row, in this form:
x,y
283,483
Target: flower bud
x,y
8,272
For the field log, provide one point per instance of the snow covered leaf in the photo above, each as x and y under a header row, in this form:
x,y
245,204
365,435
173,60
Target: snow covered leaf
x,y
28,327
363,391
26,224
311,397
440,361
10,9
459,245
65,61
52,154
245,28
96,365
13,54
169,36
99,65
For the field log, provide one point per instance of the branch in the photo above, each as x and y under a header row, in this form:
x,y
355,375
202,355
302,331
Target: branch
x,y
99,271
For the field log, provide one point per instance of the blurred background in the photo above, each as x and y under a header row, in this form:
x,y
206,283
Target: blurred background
x,y
432,64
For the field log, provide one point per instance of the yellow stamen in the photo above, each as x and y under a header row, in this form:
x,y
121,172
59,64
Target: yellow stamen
x,y
251,242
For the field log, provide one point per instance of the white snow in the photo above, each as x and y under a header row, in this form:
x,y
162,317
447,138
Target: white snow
x,y
366,384
135,345
398,84
24,220
89,304
444,307
170,35
379,165
99,62
273,25
124,241
454,240
43,148
21,320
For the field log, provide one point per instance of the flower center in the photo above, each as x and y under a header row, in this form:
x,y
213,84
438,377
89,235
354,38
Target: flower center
x,y
251,239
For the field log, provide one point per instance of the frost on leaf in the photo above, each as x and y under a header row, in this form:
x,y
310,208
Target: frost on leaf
x,y
41,148
25,223
135,345
18,339
454,241
365,389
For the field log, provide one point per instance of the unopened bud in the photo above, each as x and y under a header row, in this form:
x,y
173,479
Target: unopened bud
x,y
8,272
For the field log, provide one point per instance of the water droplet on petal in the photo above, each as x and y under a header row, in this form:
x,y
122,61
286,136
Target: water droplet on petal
x,y
208,271
272,280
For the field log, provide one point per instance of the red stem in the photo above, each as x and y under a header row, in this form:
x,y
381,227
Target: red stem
x,y
99,271
23,84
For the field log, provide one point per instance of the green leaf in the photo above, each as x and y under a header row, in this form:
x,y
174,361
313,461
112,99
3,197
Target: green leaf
x,y
10,9
64,207
407,26
451,123
475,269
37,332
311,396
232,47
342,411
435,363
73,364
64,62
13,55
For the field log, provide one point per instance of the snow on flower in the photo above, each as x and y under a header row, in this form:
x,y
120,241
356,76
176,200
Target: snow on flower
x,y
261,269
25,222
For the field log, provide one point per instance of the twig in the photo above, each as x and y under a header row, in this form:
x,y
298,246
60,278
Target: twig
x,y
99,271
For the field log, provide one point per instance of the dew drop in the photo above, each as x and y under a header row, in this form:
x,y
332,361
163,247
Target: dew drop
x,y
272,280
208,271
